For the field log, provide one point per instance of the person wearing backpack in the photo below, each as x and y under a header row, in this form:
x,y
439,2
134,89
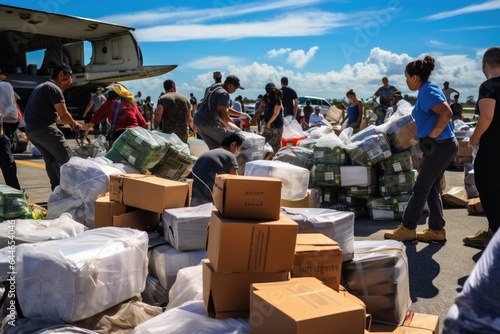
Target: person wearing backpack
x,y
213,115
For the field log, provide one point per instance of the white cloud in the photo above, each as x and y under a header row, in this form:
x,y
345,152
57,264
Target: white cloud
x,y
463,72
278,53
299,58
486,6
213,62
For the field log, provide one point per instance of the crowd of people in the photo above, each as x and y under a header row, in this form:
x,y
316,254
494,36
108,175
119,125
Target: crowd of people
x,y
434,111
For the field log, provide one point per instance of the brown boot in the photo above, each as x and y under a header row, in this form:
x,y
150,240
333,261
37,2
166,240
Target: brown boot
x,y
401,233
429,235
479,240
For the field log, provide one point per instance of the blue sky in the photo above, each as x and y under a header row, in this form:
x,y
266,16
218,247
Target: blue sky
x,y
323,47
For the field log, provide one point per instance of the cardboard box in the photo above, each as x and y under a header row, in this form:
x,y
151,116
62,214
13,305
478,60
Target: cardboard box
x,y
227,295
455,196
249,246
415,323
105,209
303,306
474,206
139,219
464,150
316,255
248,197
148,192
368,317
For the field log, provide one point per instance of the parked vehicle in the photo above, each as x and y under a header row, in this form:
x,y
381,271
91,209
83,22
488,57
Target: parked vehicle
x,y
315,101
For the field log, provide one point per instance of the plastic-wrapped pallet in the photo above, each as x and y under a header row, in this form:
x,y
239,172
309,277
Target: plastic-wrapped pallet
x,y
295,179
140,147
251,149
188,286
399,183
7,257
360,192
165,262
329,150
36,230
402,133
191,317
337,225
369,151
61,202
13,203
397,162
186,228
154,293
378,275
295,155
387,208
72,279
177,161
86,179
343,176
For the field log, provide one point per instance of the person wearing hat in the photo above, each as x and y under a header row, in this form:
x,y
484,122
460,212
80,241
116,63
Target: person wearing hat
x,y
213,116
316,118
221,160
7,104
96,101
173,112
447,90
271,106
217,75
129,115
45,109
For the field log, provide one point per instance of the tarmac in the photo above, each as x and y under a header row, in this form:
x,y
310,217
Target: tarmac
x,y
437,271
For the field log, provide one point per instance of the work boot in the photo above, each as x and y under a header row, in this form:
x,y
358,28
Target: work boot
x,y
480,239
430,235
401,233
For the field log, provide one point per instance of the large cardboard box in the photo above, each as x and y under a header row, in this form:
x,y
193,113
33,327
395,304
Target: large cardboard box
x,y
415,323
316,255
237,245
141,220
227,295
248,197
303,306
105,210
148,192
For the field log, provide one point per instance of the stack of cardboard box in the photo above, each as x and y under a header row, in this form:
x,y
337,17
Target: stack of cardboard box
x,y
248,241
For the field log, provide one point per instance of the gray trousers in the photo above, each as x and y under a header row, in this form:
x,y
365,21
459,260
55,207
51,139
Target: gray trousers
x,y
51,143
427,187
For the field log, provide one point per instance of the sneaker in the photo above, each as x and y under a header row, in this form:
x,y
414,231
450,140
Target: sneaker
x,y
479,240
429,235
401,233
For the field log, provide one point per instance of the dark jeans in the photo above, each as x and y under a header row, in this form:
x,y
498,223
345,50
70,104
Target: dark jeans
x,y
7,163
9,129
427,187
487,181
55,151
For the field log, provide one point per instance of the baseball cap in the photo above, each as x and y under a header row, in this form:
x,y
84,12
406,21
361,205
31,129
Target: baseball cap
x,y
217,74
260,96
308,101
63,67
234,80
99,88
446,83
317,108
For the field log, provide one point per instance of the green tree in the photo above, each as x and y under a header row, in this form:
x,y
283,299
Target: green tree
x,y
470,100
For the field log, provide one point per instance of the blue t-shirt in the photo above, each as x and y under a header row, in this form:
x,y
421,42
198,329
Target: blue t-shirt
x,y
207,111
428,96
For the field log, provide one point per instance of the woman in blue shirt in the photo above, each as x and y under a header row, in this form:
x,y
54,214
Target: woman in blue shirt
x,y
432,116
354,110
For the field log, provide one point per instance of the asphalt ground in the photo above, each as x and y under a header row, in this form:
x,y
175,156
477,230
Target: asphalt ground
x,y
437,271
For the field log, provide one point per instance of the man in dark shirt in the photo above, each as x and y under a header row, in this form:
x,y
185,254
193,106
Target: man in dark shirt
x,y
290,99
46,108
